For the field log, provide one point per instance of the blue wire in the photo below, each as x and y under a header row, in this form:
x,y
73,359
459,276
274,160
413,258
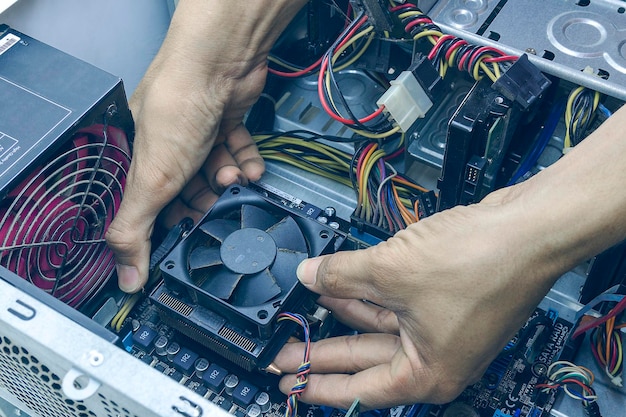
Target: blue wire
x,y
606,112
542,141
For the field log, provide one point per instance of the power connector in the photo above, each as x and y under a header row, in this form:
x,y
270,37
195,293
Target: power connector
x,y
405,101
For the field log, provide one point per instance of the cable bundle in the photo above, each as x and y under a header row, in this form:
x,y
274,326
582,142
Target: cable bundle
x,y
299,149
573,379
303,369
374,125
449,51
606,345
384,196
581,106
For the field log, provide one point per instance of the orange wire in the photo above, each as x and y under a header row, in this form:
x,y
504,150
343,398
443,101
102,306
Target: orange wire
x,y
416,209
409,184
406,215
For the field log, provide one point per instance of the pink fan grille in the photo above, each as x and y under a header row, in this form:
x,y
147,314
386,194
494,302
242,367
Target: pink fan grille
x,y
52,224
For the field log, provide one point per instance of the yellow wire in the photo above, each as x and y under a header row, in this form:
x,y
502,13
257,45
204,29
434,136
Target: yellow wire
x,y
409,14
299,164
377,135
329,151
567,142
430,33
358,55
375,156
124,311
283,64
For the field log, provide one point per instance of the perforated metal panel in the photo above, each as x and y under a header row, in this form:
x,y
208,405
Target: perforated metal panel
x,y
55,368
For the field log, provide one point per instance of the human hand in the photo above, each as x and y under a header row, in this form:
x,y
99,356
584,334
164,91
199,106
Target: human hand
x,y
190,143
444,297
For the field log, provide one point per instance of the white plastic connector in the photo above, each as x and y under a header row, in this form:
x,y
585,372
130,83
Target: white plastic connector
x,y
405,100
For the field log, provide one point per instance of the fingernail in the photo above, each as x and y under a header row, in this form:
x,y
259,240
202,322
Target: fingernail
x,y
306,275
128,278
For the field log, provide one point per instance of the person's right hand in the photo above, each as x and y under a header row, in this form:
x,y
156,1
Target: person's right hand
x,y
190,143
444,296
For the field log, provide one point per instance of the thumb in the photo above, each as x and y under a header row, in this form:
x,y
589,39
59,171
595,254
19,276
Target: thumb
x,y
347,274
129,234
129,240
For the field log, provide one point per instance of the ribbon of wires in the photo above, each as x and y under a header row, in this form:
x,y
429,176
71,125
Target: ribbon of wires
x,y
304,368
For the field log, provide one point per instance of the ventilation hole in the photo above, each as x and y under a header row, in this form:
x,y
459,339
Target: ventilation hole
x,y
603,74
621,10
548,55
309,113
495,36
583,3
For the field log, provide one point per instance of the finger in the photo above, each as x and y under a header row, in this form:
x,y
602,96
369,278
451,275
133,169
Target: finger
x,y
221,169
350,274
245,152
362,315
380,386
345,354
198,194
176,211
128,236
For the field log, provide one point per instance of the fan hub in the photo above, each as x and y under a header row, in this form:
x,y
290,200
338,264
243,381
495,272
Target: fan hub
x,y
248,251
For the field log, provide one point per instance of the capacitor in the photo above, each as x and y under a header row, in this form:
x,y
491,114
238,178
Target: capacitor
x,y
230,383
262,399
253,410
160,344
172,350
200,366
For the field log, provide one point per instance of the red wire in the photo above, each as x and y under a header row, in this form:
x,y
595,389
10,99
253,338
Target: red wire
x,y
320,84
433,52
416,22
501,58
401,6
619,307
455,46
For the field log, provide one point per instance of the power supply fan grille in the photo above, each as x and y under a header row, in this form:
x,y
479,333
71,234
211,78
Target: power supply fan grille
x,y
52,224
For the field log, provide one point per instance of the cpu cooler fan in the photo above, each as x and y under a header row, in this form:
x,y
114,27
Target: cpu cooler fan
x,y
52,223
228,280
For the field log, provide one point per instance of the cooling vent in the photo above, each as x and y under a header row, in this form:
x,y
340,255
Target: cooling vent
x,y
52,224
29,380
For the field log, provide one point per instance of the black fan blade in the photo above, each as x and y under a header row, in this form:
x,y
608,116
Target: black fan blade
x,y
219,228
221,283
287,235
255,289
204,257
284,268
253,216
